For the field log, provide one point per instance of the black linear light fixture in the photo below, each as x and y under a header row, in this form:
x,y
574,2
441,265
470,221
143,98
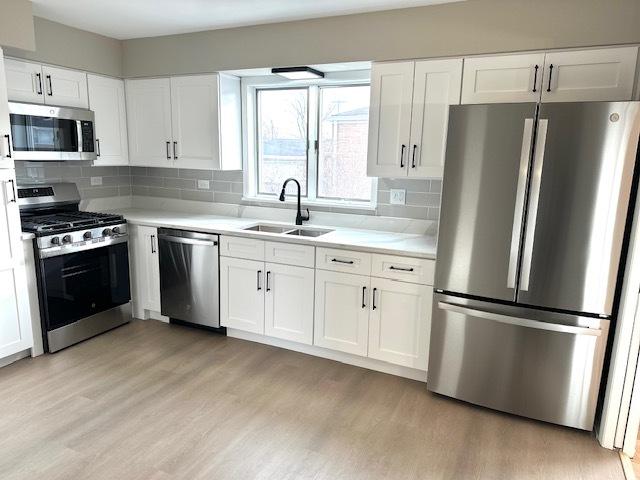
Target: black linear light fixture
x,y
298,73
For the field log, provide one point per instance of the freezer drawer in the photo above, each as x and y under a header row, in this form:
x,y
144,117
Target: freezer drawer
x,y
537,364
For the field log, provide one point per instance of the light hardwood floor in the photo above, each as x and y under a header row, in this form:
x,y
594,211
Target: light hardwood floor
x,y
151,401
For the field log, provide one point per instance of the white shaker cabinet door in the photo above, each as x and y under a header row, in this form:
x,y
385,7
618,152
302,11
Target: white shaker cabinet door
x,y
145,269
15,316
194,120
436,86
605,74
107,100
342,312
242,290
502,78
289,302
65,87
149,122
24,81
390,119
400,322
6,160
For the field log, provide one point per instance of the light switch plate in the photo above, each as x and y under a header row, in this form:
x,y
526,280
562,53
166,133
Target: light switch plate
x,y
95,181
397,196
203,184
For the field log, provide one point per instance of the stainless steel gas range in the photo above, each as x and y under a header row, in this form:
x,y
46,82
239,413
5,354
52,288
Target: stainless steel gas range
x,y
82,264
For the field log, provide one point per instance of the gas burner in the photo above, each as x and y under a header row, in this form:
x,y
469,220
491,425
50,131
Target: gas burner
x,y
67,221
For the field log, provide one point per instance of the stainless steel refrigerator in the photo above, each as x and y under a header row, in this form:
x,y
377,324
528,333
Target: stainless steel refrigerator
x,y
534,208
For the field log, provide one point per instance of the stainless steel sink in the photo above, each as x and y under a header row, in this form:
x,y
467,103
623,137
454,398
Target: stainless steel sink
x,y
303,232
268,228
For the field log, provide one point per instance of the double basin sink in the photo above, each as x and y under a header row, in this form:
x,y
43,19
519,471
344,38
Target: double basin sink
x,y
287,230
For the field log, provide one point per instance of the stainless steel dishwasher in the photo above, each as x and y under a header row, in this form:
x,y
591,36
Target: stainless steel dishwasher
x,y
189,276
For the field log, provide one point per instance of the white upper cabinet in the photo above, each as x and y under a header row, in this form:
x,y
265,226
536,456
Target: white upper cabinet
x,y
503,78
436,85
5,128
65,87
149,122
390,119
36,83
409,115
107,100
24,81
198,115
589,75
15,315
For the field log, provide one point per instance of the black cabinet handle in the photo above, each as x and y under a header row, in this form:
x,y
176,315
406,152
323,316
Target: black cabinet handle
x,y
98,147
259,273
175,146
347,262
364,291
413,157
168,153
39,87
153,246
50,92
268,286
8,145
535,78
13,191
373,299
402,155
550,73
410,269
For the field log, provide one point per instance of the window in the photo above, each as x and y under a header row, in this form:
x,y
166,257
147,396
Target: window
x,y
316,134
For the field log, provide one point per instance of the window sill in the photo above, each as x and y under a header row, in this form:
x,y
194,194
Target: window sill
x,y
367,207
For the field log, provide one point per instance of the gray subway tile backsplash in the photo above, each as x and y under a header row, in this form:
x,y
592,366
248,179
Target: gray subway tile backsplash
x,y
422,195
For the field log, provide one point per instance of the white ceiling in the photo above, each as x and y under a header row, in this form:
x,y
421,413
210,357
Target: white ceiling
x,y
125,19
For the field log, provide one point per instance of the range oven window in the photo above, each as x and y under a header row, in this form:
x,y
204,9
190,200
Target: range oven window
x,y
81,284
43,134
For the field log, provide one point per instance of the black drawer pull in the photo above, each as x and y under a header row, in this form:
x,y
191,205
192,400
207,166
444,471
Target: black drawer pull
x,y
337,260
410,269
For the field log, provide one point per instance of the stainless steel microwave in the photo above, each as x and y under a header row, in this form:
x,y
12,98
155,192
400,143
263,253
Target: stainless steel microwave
x,y
43,132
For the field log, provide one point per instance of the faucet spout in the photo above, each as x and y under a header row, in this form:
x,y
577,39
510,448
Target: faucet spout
x,y
300,217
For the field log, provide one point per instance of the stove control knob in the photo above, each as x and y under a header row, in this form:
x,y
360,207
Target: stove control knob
x,y
87,235
116,230
106,232
66,239
55,241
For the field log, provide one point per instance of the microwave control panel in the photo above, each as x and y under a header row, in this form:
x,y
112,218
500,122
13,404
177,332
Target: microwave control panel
x,y
87,136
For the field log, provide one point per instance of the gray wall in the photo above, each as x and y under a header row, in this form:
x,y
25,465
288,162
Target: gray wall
x,y
70,47
471,27
16,24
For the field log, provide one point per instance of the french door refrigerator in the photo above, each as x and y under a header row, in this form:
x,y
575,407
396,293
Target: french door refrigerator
x,y
534,208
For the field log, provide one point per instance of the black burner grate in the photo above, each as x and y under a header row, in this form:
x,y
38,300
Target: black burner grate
x,y
67,221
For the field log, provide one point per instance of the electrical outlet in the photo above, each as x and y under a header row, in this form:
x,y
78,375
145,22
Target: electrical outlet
x,y
203,184
397,196
95,181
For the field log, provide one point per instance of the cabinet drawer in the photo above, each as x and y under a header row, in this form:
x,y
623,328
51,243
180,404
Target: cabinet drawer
x,y
415,270
239,247
343,261
289,254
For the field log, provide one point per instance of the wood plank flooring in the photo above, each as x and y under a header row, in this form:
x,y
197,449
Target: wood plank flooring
x,y
151,401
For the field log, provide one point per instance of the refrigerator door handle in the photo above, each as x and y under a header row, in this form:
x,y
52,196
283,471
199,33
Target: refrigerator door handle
x,y
520,322
518,211
534,198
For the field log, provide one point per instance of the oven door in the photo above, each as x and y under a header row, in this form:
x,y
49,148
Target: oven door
x,y
80,284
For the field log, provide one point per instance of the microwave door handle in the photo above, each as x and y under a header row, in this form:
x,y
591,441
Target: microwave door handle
x,y
518,211
534,199
79,130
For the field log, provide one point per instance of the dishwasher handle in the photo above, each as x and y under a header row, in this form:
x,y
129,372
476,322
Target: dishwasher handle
x,y
187,241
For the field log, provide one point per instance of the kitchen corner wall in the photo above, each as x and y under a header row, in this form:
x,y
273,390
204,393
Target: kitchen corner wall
x,y
422,196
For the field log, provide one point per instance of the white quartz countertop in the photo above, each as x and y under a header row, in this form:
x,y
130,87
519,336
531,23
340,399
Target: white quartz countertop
x,y
374,241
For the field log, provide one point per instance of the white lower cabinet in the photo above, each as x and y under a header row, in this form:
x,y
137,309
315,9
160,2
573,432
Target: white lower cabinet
x,y
342,312
399,323
288,303
242,292
145,269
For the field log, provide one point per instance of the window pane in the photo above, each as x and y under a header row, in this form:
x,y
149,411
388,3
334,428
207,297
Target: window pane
x,y
282,139
344,127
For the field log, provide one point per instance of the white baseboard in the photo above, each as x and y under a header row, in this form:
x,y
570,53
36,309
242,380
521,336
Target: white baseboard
x,y
15,357
347,358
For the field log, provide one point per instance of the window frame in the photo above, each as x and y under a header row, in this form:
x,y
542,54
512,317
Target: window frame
x,y
250,87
